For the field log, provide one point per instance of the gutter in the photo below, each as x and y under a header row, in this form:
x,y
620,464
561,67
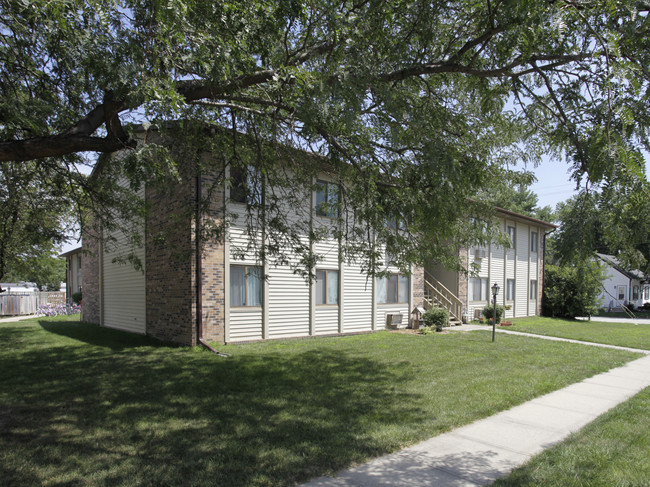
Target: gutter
x,y
199,275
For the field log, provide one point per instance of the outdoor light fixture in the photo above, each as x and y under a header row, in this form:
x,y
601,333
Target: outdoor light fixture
x,y
495,291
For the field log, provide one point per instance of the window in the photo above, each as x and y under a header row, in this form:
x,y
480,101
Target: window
x,y
635,293
533,290
533,242
327,199
621,293
245,285
245,185
393,289
510,290
646,293
327,287
480,289
512,233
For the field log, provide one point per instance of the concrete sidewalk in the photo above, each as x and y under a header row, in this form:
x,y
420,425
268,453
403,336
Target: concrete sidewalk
x,y
479,453
17,318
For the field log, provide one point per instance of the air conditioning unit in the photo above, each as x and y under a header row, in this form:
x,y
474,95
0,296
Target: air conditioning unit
x,y
480,254
393,320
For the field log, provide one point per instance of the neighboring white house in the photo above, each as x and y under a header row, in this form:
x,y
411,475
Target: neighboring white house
x,y
622,286
19,287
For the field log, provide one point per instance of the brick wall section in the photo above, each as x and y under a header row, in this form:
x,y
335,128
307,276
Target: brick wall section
x,y
463,281
169,264
90,278
213,268
418,285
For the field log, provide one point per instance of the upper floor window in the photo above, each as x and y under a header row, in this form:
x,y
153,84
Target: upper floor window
x,y
327,199
533,242
245,285
327,287
245,185
393,289
512,233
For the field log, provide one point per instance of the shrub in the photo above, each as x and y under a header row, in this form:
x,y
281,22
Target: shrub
x,y
488,311
76,298
437,317
646,307
571,291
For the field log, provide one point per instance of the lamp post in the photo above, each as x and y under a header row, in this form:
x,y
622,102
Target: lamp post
x,y
495,291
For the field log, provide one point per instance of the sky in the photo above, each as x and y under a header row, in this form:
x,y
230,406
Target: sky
x,y
553,184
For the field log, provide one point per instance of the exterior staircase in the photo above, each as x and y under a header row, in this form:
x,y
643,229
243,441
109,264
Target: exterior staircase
x,y
435,294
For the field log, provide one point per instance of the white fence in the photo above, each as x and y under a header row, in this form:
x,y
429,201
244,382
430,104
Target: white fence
x,y
14,304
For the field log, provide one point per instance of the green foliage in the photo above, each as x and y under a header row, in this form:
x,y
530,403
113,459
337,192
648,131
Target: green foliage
x,y
571,291
488,311
410,101
77,297
436,318
46,271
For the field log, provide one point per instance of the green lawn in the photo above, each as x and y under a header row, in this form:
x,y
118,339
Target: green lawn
x,y
622,334
613,450
85,405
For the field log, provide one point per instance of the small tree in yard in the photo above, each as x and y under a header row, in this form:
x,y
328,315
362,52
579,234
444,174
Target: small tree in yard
x,y
436,317
571,291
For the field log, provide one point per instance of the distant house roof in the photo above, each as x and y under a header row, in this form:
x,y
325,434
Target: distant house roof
x,y
616,264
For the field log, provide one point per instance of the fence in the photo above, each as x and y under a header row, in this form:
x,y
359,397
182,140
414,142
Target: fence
x,y
14,304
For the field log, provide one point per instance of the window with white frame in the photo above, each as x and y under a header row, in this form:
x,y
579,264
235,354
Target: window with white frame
x,y
621,292
512,233
533,242
646,293
245,185
327,199
245,285
393,289
510,290
327,286
635,293
533,289
480,289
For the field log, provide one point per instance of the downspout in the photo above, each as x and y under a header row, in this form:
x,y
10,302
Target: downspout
x,y
199,275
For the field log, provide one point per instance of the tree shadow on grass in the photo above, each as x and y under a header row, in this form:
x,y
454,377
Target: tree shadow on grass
x,y
99,336
161,416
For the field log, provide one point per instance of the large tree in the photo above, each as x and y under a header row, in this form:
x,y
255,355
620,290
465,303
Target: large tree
x,y
420,103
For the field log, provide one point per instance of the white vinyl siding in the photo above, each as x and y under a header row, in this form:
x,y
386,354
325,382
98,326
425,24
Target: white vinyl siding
x,y
124,291
522,270
357,300
245,324
326,320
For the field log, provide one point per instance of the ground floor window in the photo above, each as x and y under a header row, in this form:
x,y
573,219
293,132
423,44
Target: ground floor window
x,y
621,293
327,287
480,289
533,289
393,289
245,285
635,293
510,290
646,293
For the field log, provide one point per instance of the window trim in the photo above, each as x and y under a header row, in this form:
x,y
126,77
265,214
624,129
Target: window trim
x,y
534,242
338,287
332,207
509,296
530,291
482,288
246,274
246,176
399,276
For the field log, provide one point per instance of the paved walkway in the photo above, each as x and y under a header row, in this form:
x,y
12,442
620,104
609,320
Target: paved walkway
x,y
17,318
479,453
